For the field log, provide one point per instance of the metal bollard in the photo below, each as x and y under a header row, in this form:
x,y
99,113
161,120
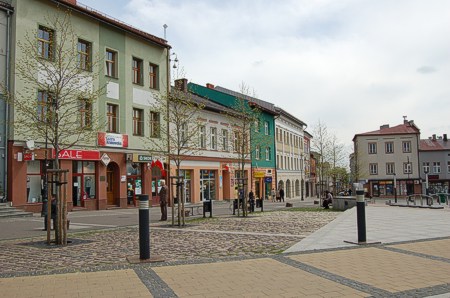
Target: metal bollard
x,y
144,228
361,216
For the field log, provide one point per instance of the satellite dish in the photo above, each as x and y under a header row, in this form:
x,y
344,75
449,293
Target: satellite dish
x,y
30,144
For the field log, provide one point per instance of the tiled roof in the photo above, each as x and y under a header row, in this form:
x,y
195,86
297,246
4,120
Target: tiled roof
x,y
406,128
434,145
267,106
112,21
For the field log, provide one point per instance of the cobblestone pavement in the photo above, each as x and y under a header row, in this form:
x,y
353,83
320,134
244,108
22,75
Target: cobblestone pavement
x,y
259,234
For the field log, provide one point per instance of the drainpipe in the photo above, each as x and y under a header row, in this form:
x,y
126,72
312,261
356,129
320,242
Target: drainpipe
x,y
8,41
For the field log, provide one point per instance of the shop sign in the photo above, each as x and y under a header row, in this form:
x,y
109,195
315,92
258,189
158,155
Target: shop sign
x,y
105,159
77,154
259,174
268,179
28,156
112,140
433,177
142,158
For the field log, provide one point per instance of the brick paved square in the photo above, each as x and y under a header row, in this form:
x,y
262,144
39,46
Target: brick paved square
x,y
437,248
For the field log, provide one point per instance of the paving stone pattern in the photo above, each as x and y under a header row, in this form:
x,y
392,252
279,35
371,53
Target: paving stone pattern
x,y
193,242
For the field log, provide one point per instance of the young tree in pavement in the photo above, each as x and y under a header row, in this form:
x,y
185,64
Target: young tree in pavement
x,y
247,140
55,94
180,134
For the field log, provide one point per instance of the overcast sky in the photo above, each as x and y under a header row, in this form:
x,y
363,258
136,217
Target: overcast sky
x,y
352,64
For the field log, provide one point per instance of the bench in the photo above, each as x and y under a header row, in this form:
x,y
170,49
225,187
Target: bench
x,y
189,209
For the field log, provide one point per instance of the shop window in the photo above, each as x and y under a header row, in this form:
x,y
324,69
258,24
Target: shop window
x,y
207,185
83,181
34,178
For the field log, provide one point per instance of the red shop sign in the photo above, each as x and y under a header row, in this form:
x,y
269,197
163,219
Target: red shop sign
x,y
78,154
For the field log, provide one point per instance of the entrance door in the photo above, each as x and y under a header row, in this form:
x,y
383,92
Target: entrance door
x,y
110,185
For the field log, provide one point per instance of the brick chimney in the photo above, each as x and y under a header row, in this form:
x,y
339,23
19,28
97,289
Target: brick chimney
x,y
181,84
73,2
384,126
209,86
434,137
445,137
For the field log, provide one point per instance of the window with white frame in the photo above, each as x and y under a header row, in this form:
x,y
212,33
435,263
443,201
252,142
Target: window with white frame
x,y
202,136
372,148
406,145
224,140
389,147
373,169
256,124
268,153
390,168
257,153
266,128
436,167
407,168
448,167
184,133
426,167
213,135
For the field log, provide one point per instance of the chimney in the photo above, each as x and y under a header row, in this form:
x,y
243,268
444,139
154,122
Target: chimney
x,y
209,86
181,84
434,137
73,2
384,126
445,137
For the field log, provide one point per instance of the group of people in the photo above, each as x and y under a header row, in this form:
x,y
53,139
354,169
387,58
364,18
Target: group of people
x,y
278,195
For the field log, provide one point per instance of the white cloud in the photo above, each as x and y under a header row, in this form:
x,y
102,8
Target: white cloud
x,y
354,64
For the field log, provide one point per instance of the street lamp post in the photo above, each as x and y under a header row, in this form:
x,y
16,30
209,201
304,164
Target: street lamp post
x,y
395,188
427,191
302,170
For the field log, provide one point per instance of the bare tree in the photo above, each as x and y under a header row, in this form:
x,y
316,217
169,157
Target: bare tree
x,y
55,94
247,140
179,111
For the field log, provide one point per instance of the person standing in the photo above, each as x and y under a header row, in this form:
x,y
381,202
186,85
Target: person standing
x,y
273,193
281,195
251,199
163,200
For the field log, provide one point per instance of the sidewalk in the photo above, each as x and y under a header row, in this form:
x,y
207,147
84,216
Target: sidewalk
x,y
413,260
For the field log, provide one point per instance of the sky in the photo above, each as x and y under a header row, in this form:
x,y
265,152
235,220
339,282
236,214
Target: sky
x,y
353,65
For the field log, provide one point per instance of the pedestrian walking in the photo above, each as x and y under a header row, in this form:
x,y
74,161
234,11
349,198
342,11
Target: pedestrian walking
x,y
273,193
163,200
281,195
251,200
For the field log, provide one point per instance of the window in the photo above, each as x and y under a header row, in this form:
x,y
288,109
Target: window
x,y
84,54
390,168
256,124
136,66
237,142
85,113
184,133
407,168
406,145
436,167
138,127
389,147
267,153
154,70
111,117
45,42
224,140
266,128
44,105
257,153
111,63
155,127
448,167
373,169
213,131
372,148
426,167
202,136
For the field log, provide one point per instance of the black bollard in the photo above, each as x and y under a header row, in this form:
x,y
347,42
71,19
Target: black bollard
x,y
361,215
262,204
144,228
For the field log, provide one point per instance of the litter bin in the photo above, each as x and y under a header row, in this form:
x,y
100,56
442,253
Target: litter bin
x,y
442,197
207,207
